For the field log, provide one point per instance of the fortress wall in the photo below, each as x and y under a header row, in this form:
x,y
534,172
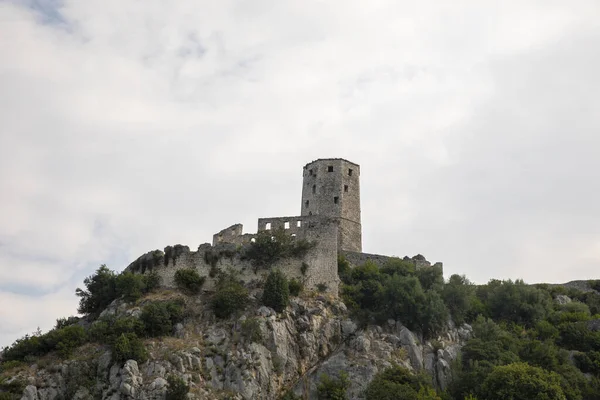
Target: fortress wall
x,y
356,259
233,234
321,261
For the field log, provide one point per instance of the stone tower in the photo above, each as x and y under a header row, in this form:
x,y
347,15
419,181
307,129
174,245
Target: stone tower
x,y
331,188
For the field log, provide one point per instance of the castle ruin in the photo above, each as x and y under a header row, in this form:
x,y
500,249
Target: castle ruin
x,y
330,218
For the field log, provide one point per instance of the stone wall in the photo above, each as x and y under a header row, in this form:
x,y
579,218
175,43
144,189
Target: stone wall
x,y
319,263
356,259
233,234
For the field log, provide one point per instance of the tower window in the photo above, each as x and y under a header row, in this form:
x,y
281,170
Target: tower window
x,y
330,168
286,225
310,172
336,199
349,172
267,226
346,188
298,224
306,203
314,189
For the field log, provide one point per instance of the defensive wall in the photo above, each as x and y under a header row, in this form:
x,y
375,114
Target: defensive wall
x,y
318,266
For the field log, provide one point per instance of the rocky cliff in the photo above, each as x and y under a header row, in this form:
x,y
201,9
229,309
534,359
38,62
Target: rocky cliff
x,y
258,355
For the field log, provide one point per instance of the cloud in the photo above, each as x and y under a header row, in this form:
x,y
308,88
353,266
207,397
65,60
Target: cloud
x,y
126,128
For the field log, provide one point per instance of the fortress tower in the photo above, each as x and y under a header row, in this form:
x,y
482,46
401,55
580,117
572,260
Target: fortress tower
x,y
331,188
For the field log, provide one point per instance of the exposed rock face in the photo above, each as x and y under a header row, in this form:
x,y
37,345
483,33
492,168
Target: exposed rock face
x,y
312,337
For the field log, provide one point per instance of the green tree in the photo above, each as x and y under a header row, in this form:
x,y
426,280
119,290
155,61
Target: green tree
x,y
333,388
231,296
130,286
129,347
160,317
177,388
458,295
277,292
189,280
398,383
521,381
100,291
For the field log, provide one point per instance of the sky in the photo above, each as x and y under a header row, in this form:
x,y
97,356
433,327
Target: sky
x,y
127,126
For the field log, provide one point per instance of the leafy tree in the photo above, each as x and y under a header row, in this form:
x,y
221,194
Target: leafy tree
x,y
398,383
517,302
130,286
189,280
177,388
295,286
100,291
458,294
333,388
431,278
129,347
231,296
277,292
160,317
521,381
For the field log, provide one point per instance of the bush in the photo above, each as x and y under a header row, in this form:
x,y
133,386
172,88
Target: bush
x,y
107,329
333,389
130,286
277,292
295,287
189,281
520,381
230,298
160,317
251,330
177,389
272,246
398,383
152,281
129,347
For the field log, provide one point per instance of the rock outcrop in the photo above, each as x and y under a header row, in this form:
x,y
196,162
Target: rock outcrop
x,y
287,351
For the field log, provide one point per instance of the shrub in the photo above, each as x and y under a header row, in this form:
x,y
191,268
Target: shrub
x,y
129,347
64,322
107,329
130,286
277,292
295,287
333,388
189,281
231,296
398,382
251,330
520,381
177,388
152,281
272,246
160,317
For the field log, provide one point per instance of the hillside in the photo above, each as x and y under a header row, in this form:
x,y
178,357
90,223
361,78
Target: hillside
x,y
395,332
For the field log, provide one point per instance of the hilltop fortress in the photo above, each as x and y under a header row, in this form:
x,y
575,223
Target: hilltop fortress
x,y
329,219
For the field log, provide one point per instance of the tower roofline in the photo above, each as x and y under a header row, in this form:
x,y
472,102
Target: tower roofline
x,y
331,159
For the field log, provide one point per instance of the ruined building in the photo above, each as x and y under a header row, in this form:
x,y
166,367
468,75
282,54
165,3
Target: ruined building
x,y
329,218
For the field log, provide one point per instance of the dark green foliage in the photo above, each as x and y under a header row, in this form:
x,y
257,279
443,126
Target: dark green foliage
x,y
251,330
272,246
129,347
107,329
589,362
160,317
177,389
515,302
295,286
398,383
343,267
100,291
277,292
12,390
304,268
63,340
431,278
458,294
145,263
130,286
189,280
152,281
333,388
520,381
290,395
231,296
64,322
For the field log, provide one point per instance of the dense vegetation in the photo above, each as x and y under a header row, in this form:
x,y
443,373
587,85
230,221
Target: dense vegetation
x,y
526,344
271,246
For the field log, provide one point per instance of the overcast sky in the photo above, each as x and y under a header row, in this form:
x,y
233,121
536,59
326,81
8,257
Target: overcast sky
x,y
127,126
